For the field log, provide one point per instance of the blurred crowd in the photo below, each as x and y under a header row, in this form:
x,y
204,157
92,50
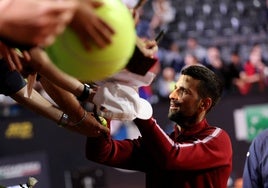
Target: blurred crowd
x,y
239,76
242,72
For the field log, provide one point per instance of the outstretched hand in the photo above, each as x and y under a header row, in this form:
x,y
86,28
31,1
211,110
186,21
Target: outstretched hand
x,y
90,127
34,23
13,57
147,47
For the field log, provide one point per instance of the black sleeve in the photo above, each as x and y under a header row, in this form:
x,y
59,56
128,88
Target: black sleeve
x,y
10,81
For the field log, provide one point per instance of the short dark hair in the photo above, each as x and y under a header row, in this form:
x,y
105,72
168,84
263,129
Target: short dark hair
x,y
210,85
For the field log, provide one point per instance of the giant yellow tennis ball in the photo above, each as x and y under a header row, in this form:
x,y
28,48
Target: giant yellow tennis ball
x,y
96,64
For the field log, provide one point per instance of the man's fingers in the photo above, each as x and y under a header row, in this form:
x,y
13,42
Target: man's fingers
x,y
5,52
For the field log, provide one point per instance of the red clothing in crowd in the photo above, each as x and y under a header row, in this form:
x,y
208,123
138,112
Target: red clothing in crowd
x,y
200,157
251,70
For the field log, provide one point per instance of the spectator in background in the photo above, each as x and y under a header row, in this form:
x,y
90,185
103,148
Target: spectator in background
x,y
259,48
190,59
193,47
143,26
263,16
166,82
234,68
163,14
254,72
255,173
214,62
173,57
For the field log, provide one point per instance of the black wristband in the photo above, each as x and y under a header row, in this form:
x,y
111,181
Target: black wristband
x,y
85,94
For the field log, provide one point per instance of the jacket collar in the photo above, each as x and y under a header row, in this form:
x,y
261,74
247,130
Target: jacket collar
x,y
190,131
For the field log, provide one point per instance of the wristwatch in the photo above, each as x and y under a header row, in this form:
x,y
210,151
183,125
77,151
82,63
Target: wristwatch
x,y
85,94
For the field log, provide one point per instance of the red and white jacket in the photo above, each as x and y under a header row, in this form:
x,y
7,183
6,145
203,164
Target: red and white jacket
x,y
199,158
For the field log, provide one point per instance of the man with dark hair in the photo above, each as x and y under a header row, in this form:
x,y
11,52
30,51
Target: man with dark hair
x,y
195,154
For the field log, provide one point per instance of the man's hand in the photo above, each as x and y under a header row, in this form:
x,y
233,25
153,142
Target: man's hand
x,y
147,47
13,57
30,23
90,127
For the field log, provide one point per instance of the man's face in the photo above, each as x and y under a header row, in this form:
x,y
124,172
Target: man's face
x,y
185,102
